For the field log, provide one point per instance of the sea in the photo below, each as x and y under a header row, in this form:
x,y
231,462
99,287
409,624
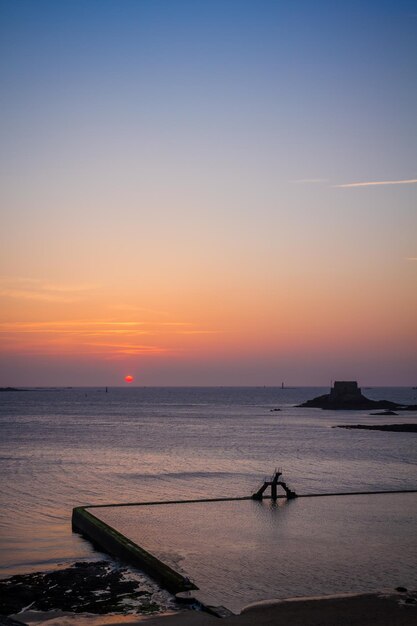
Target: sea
x,y
65,447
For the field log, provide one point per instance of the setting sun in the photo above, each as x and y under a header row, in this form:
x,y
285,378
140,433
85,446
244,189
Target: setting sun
x,y
129,379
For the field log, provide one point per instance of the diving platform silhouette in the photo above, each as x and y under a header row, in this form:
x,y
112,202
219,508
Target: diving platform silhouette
x,y
273,483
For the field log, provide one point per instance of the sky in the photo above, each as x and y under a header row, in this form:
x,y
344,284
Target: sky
x,y
217,192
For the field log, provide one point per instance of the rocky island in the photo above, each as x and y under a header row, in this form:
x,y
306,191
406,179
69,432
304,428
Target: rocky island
x,y
392,428
347,395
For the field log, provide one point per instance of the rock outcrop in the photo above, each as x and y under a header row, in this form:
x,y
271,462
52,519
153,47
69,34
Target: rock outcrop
x,y
394,428
347,395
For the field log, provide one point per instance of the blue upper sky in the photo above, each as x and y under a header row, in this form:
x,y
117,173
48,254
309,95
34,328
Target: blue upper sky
x,y
220,75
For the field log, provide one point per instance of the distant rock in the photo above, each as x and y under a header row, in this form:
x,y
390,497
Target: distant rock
x,y
275,410
347,395
384,413
394,428
10,389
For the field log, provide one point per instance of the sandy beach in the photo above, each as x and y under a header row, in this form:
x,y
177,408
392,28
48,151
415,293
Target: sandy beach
x,y
382,609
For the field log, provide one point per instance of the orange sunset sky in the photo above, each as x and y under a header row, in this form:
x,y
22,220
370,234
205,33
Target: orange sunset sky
x,y
181,197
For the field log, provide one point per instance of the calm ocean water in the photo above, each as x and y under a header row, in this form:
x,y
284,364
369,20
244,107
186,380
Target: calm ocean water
x,y
66,447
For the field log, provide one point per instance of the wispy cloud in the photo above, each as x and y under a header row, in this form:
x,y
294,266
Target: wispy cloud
x,y
35,289
77,288
66,323
102,327
108,338
175,324
309,181
22,294
128,308
198,332
128,349
411,258
89,328
409,181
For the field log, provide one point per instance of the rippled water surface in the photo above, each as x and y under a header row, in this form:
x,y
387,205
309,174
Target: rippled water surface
x,y
65,447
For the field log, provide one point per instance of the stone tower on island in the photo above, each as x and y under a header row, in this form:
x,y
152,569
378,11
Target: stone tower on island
x,y
345,391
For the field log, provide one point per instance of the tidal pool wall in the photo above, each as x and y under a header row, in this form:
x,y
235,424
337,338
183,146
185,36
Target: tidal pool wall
x,y
116,544
238,551
242,551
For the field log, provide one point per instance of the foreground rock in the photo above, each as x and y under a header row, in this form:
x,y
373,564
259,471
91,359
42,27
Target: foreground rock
x,y
8,621
395,428
97,587
383,609
347,395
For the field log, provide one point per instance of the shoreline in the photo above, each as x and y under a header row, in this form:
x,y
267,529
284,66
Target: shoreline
x,y
383,608
74,597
